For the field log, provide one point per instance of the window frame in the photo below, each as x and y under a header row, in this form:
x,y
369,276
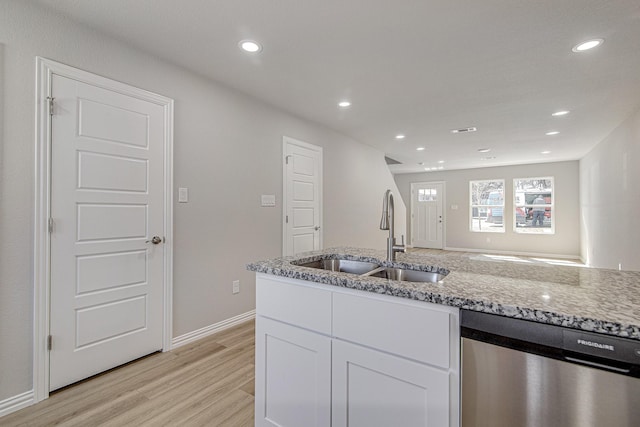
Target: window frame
x,y
431,197
479,206
551,206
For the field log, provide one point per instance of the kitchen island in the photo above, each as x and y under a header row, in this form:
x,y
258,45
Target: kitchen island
x,y
335,348
547,291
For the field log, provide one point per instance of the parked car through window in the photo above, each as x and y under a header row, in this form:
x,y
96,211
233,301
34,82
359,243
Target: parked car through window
x,y
486,202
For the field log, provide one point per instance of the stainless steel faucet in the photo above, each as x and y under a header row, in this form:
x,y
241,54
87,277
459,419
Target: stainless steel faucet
x,y
387,223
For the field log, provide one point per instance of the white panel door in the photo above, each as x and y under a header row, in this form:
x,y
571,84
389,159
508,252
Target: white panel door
x,y
375,389
293,376
303,197
107,198
426,215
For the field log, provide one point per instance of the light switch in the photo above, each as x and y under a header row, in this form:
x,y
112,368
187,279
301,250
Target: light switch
x,y
183,195
454,207
268,200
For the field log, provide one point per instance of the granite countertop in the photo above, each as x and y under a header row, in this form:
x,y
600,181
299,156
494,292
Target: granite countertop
x,y
546,291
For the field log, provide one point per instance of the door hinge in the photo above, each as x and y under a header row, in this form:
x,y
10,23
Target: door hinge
x,y
286,219
286,159
49,342
50,102
50,225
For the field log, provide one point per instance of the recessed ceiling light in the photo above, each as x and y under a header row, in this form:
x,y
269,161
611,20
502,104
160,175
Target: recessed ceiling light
x,y
344,104
441,161
589,44
250,46
440,167
463,130
553,132
420,148
400,136
560,113
488,158
484,150
545,152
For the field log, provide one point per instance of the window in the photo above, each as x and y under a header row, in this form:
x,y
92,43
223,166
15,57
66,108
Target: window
x,y
533,205
486,200
427,195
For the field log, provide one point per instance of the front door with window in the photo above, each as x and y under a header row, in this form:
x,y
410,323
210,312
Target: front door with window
x,y
426,215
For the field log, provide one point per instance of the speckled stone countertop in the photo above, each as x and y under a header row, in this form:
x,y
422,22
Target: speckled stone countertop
x,y
595,300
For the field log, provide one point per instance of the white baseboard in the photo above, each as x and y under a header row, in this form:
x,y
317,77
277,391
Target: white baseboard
x,y
212,329
515,253
15,403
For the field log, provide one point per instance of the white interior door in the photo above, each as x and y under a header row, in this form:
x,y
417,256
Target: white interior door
x,y
427,222
302,197
107,204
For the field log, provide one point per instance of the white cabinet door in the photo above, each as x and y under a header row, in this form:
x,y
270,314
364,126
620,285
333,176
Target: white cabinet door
x,y
293,376
372,389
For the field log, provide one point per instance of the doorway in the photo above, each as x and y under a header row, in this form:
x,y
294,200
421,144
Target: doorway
x,y
103,225
427,220
302,199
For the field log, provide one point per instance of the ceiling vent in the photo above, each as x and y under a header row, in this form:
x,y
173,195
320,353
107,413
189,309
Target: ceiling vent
x,y
463,130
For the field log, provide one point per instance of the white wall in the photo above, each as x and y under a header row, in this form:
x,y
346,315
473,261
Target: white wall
x,y
227,151
565,241
610,199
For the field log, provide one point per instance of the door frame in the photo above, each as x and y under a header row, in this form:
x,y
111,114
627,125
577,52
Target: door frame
x,y
286,141
415,185
45,68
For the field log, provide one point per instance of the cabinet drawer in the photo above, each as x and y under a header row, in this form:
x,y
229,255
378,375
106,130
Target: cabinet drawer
x,y
299,305
412,331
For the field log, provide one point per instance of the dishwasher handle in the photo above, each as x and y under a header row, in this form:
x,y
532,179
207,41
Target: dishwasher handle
x,y
597,365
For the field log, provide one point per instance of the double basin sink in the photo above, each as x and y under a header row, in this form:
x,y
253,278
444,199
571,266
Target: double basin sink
x,y
370,269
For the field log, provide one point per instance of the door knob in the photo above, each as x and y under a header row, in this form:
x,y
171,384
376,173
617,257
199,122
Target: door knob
x,y
316,228
155,240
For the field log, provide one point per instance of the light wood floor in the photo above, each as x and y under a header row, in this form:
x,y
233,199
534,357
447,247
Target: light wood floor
x,y
206,383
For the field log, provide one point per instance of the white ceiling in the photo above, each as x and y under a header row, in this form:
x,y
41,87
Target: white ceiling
x,y
420,68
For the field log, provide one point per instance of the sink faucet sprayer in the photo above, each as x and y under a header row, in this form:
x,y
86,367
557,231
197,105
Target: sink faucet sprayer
x,y
387,224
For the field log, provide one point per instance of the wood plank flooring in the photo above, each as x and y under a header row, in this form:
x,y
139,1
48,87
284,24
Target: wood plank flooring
x,y
206,383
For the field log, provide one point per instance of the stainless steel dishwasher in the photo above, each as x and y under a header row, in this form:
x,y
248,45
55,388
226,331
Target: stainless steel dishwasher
x,y
517,373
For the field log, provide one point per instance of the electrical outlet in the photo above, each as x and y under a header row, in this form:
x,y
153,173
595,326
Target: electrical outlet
x,y
236,286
